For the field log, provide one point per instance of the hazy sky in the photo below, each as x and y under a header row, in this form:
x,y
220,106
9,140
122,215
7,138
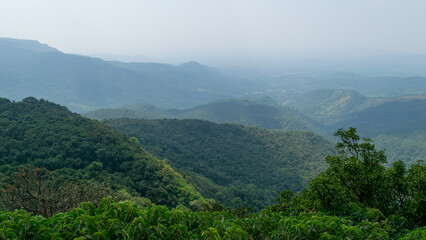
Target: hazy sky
x,y
228,30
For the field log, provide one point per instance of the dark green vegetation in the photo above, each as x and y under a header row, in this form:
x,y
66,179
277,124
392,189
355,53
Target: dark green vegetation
x,y
234,164
135,111
28,68
51,159
45,135
262,112
355,198
127,221
356,178
395,124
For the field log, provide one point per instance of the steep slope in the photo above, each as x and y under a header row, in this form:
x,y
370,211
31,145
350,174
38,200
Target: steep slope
x,y
84,83
234,164
47,135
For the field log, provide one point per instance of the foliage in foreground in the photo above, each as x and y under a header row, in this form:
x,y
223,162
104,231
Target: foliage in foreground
x,y
357,177
358,187
125,220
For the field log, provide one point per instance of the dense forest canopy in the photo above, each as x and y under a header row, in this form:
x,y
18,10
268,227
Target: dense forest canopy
x,y
395,124
260,112
235,164
210,181
355,198
46,135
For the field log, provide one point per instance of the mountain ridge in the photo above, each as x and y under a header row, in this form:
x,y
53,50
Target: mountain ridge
x,y
28,67
261,112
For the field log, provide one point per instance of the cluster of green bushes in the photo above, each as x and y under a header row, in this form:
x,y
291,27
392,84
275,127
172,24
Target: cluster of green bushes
x,y
125,220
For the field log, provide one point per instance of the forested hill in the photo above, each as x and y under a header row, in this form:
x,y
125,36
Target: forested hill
x,y
397,126
330,106
326,105
47,135
396,117
234,164
262,112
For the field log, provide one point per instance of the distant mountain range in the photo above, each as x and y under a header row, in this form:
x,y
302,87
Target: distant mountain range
x,y
157,104
290,85
332,105
28,68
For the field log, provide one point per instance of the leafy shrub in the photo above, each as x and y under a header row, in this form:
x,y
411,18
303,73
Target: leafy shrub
x,y
126,220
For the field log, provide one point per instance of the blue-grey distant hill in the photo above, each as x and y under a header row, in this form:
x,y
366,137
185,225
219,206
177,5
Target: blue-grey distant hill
x,y
82,83
290,86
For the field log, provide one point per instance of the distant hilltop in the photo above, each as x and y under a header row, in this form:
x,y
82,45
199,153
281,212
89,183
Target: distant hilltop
x,y
29,45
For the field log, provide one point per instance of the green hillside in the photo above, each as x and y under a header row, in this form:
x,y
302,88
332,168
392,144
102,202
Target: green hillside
x,y
326,105
46,135
231,163
262,112
356,197
398,126
396,117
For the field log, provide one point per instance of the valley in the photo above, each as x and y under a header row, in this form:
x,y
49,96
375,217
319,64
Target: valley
x,y
133,150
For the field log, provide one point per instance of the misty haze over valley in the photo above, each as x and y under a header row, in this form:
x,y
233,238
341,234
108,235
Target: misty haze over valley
x,y
212,120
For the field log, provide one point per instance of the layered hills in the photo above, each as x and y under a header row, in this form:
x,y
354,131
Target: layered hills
x,y
28,68
371,86
395,124
262,112
234,164
398,126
